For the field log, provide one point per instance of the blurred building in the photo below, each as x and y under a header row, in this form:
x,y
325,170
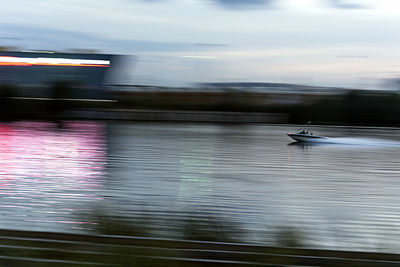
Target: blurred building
x,y
34,73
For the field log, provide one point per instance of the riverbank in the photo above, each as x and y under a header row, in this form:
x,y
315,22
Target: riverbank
x,y
176,115
49,249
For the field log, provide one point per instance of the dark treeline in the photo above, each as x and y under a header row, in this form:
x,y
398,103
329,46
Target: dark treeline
x,y
355,107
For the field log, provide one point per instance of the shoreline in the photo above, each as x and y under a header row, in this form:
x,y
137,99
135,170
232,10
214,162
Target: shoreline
x,y
176,116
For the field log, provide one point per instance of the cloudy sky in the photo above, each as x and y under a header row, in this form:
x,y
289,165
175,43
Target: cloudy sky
x,y
352,43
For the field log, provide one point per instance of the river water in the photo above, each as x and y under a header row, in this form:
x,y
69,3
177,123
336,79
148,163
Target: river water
x,y
344,194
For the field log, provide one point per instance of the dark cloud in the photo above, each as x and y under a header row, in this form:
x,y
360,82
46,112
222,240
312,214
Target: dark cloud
x,y
251,4
239,4
232,4
344,4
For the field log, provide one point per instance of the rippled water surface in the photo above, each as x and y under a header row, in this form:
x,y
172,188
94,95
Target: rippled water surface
x,y
341,194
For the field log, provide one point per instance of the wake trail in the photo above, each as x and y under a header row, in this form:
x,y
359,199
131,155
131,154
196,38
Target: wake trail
x,y
357,141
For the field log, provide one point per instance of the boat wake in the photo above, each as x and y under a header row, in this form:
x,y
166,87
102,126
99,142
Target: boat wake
x,y
355,141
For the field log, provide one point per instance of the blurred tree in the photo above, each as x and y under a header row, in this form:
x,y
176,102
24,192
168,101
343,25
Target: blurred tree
x,y
60,91
7,103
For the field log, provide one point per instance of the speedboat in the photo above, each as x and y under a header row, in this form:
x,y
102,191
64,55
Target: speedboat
x,y
304,135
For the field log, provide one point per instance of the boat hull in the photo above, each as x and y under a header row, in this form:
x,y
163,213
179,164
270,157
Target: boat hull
x,y
306,137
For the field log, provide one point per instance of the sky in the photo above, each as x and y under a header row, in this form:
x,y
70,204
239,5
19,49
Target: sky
x,y
345,43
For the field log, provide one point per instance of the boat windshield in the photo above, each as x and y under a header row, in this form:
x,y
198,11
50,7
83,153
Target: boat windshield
x,y
303,130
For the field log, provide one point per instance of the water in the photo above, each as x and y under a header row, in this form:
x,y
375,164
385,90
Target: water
x,y
340,194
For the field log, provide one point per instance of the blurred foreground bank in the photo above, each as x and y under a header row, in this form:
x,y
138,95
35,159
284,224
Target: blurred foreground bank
x,y
22,248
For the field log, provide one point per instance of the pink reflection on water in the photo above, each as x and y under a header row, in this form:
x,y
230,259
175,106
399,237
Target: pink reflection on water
x,y
42,151
5,160
50,168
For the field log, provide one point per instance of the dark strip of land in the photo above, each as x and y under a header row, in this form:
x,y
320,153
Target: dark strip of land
x,y
32,248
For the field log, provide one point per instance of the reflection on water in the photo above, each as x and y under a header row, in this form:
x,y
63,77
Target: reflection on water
x,y
163,175
47,172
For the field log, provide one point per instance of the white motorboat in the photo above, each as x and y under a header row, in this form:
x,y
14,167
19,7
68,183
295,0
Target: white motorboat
x,y
304,135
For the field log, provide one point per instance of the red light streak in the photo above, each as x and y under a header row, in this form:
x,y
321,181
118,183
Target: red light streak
x,y
14,64
48,64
